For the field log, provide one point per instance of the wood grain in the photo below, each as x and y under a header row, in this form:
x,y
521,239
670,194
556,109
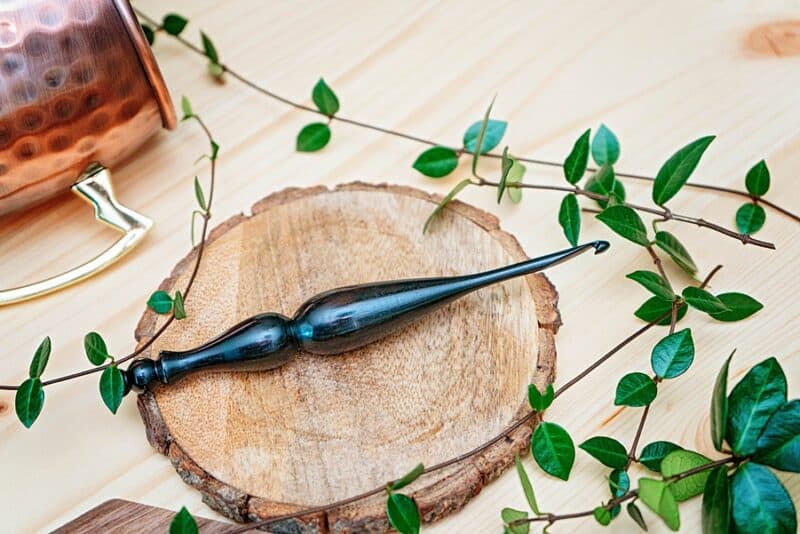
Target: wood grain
x,y
659,74
319,428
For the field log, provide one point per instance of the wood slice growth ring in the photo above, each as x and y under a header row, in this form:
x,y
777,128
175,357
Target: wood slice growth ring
x,y
320,429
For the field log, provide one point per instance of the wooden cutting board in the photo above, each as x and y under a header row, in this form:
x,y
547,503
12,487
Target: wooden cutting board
x,y
321,429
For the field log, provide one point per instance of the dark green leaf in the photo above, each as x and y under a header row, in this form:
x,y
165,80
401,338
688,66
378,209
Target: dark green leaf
x,y
186,107
607,451
740,306
436,162
538,401
602,515
717,502
476,135
750,218
655,307
615,511
527,487
180,310
678,462
95,347
575,164
757,179
445,201
408,478
553,450
491,138
506,162
619,482
675,250
214,150
654,283
702,300
325,99
636,515
719,405
40,358
313,137
569,217
653,453
160,302
29,401
625,222
149,34
658,497
760,502
174,24
183,523
402,513
199,195
515,177
209,49
509,515
635,389
112,387
604,182
673,355
752,402
605,146
674,173
779,444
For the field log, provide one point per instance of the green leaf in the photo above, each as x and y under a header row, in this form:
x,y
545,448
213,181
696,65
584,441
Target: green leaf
x,y
575,164
675,250
760,502
408,478
149,34
702,300
112,387
569,217
215,70
654,283
673,355
186,107
757,179
553,450
477,137
214,150
636,515
740,306
506,162
605,146
199,195
183,523
607,451
325,99
527,487
717,502
29,401
750,218
445,201
779,444
752,402
602,515
619,482
604,182
509,515
313,137
655,307
678,462
677,169
436,162
719,405
40,358
95,348
160,302
635,389
402,513
180,310
515,177
209,49
491,138
658,497
174,24
538,401
653,454
625,222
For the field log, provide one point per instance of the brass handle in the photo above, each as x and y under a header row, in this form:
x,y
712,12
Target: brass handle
x,y
94,187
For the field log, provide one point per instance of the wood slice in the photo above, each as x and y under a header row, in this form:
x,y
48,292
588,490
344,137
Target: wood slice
x,y
321,428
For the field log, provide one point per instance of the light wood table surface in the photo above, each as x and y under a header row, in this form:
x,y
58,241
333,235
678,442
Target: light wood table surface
x,y
658,73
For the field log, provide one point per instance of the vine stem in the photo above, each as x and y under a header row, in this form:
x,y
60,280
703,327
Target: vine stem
x,y
368,126
187,289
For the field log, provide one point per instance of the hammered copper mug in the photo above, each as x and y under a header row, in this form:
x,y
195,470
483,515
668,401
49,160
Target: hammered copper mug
x,y
79,92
